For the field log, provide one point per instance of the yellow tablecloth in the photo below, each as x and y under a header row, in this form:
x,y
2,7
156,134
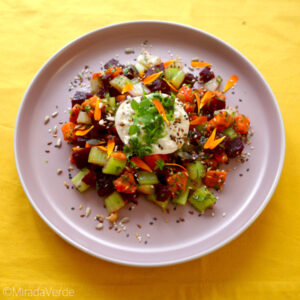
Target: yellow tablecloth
x,y
263,263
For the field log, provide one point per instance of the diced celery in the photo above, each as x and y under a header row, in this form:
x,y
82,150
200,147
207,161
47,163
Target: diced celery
x,y
182,198
230,132
177,80
141,68
77,180
97,157
202,198
144,177
171,73
114,202
114,166
196,170
162,204
119,82
147,189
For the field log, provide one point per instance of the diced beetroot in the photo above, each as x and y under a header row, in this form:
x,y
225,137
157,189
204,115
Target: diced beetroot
x,y
214,104
104,184
80,141
79,97
90,179
80,157
130,198
163,192
112,63
234,147
206,75
189,79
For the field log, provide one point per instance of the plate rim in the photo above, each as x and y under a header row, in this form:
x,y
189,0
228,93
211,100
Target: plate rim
x,y
174,261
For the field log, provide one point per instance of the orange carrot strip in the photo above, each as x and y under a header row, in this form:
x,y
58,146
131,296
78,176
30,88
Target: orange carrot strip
x,y
198,102
140,164
84,132
152,77
120,98
110,147
170,85
119,155
176,165
160,109
199,120
231,82
96,75
205,98
199,64
97,112
168,63
128,87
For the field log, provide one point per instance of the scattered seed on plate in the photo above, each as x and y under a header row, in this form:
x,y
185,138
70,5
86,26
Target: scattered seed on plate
x,y
212,214
50,130
181,219
223,214
46,120
139,226
58,143
124,220
70,168
191,212
119,230
47,151
66,185
148,235
55,129
80,207
54,114
49,143
129,51
59,171
88,211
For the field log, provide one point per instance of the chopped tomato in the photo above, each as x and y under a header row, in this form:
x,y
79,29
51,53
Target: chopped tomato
x,y
220,121
241,124
177,182
215,179
185,94
221,157
115,71
126,183
212,163
74,113
152,159
69,131
189,107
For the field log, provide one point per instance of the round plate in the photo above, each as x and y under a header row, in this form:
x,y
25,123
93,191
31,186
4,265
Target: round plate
x,y
151,237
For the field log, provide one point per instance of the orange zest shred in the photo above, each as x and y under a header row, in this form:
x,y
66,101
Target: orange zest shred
x,y
231,82
140,164
128,87
84,132
205,98
199,64
199,120
176,165
110,147
171,85
149,79
119,155
168,63
211,143
97,112
96,75
198,102
160,109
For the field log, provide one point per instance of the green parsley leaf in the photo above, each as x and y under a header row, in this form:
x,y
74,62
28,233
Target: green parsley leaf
x,y
134,105
133,129
159,164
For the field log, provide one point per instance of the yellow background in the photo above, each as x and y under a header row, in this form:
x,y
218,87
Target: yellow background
x,y
263,263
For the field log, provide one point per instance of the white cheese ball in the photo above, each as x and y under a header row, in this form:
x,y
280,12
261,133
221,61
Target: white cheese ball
x,y
175,132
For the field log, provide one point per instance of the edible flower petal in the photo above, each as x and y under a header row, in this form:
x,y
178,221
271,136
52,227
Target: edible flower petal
x,y
149,79
231,82
199,64
160,109
84,132
140,164
97,112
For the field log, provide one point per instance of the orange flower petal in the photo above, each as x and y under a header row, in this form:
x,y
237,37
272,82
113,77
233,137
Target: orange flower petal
x,y
97,112
84,132
102,148
205,98
210,139
110,147
170,85
160,109
152,77
128,87
199,120
140,164
168,63
217,142
231,82
198,102
199,64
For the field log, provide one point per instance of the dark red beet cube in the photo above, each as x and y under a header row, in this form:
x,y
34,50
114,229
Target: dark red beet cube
x,y
80,157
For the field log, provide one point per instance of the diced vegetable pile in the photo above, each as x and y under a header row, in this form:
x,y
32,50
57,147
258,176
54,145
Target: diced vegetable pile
x,y
122,172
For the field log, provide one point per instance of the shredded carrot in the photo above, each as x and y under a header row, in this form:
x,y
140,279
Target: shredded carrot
x,y
176,165
160,109
198,102
231,82
170,85
168,63
211,143
110,147
120,98
96,75
87,145
128,87
149,79
119,155
102,148
205,98
199,120
199,64
84,132
140,164
97,112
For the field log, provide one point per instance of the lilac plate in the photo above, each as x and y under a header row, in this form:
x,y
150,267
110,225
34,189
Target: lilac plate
x,y
151,238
